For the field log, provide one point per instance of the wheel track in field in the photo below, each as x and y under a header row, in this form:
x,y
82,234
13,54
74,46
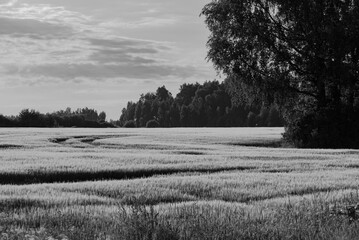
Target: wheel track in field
x,y
35,177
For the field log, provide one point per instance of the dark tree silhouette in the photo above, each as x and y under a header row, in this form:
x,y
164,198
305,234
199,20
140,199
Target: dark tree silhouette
x,y
196,105
187,93
102,116
63,118
7,122
303,55
163,94
31,118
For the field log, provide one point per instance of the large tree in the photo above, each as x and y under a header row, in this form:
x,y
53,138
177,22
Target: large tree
x,y
302,54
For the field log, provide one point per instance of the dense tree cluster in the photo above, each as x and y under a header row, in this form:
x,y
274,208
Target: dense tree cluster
x,y
196,105
82,117
303,55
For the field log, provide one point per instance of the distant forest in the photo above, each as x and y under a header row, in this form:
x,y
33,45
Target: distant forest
x,y
196,105
82,117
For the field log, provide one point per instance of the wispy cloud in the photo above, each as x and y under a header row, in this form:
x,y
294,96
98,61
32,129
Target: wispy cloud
x,y
42,12
32,28
102,72
44,41
144,22
7,3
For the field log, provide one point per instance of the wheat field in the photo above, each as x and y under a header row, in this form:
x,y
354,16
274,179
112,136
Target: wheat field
x,y
223,183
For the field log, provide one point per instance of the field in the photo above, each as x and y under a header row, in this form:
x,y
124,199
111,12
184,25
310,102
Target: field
x,y
234,183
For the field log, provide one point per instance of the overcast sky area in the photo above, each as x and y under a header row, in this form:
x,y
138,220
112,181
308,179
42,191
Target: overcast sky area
x,y
98,54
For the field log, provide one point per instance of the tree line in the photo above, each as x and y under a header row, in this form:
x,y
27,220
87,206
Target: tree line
x,y
196,105
82,117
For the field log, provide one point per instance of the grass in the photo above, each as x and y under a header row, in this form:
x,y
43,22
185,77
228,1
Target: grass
x,y
172,184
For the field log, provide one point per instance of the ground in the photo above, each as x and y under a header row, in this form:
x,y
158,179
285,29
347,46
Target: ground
x,y
207,183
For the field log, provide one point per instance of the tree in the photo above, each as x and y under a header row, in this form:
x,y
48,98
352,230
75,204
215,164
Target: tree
x,y
138,113
251,119
130,124
262,118
274,118
146,113
174,113
6,121
89,114
163,94
152,124
185,116
131,108
187,93
302,55
102,117
31,118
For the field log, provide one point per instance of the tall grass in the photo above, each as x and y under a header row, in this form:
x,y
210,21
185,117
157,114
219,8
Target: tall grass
x,y
172,184
309,217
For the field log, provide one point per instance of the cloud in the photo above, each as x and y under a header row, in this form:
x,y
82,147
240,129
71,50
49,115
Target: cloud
x,y
22,50
43,12
107,56
6,3
144,22
32,28
122,50
69,72
40,43
115,42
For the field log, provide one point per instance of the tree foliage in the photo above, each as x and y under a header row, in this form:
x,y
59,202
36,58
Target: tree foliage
x,y
82,117
152,124
196,105
302,55
101,116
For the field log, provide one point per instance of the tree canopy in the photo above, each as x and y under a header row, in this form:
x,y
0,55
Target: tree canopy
x,y
196,105
82,117
303,55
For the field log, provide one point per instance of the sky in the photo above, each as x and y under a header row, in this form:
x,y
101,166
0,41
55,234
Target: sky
x,y
98,54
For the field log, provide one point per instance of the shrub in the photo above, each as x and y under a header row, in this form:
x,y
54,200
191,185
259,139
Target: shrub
x,y
152,124
130,124
107,125
326,128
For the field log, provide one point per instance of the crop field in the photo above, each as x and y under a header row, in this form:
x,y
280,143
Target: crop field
x,y
223,183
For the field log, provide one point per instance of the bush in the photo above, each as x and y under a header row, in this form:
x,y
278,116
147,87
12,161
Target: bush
x,y
326,128
152,124
107,125
130,124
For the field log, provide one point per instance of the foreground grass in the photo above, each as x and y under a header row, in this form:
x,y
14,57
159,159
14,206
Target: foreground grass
x,y
308,217
172,184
